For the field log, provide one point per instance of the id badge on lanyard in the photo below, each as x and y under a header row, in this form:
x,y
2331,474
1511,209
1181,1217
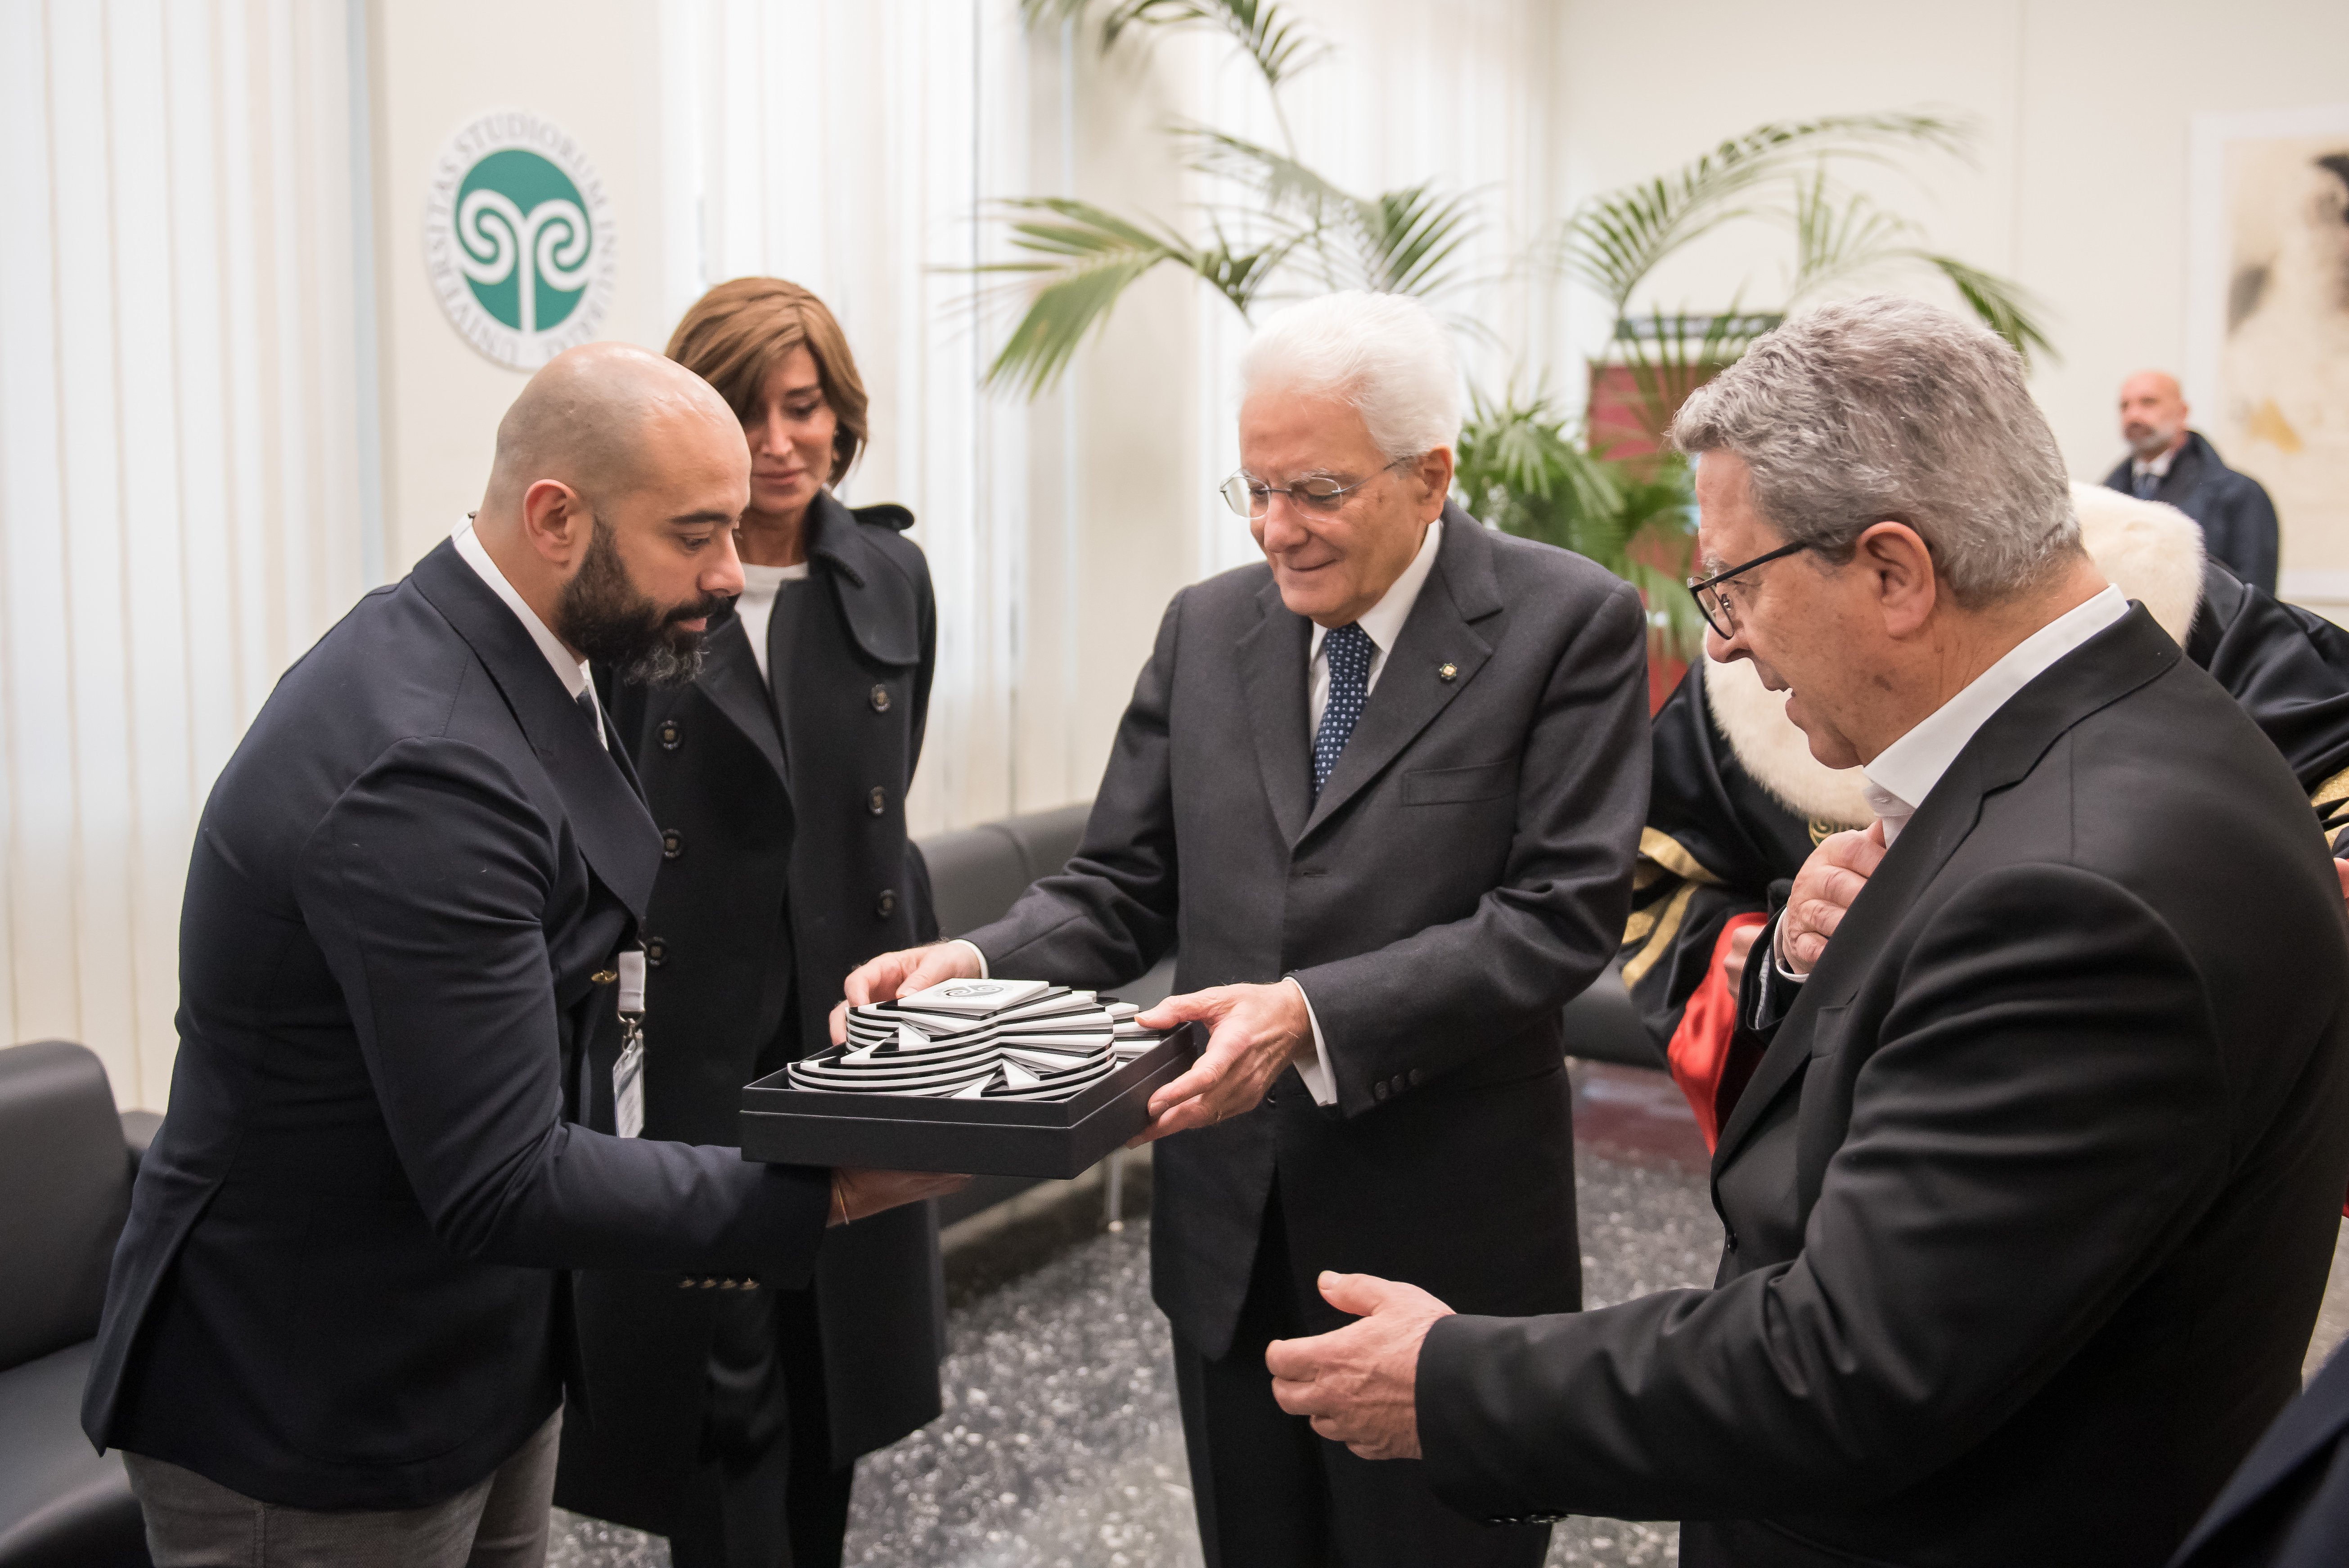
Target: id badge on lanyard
x,y
628,1072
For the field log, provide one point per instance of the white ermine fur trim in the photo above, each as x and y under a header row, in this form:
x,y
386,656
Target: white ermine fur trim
x,y
2152,553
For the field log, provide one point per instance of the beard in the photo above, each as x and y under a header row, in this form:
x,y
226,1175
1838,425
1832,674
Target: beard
x,y
606,616
2146,440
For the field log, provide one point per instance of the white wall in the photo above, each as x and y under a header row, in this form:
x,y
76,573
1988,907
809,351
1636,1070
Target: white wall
x,y
595,68
2080,188
179,498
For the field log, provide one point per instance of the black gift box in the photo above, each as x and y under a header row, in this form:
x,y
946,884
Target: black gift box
x,y
787,1126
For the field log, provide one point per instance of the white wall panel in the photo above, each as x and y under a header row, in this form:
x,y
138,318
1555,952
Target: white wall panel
x,y
178,495
848,148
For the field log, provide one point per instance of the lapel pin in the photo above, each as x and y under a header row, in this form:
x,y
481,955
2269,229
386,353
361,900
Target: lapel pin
x,y
1447,671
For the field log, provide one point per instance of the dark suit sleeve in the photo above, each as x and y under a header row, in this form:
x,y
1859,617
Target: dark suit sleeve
x,y
2012,1165
1555,916
1111,913
427,887
2290,670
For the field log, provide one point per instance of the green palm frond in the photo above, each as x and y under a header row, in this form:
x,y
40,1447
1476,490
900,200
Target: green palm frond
x,y
1669,355
1278,45
2006,307
1519,470
1838,234
1084,258
1522,469
1407,240
1401,241
1281,181
1615,239
1085,263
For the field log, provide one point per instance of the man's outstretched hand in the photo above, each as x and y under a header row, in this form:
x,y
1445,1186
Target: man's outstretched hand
x,y
1255,1031
1361,1383
893,975
856,1194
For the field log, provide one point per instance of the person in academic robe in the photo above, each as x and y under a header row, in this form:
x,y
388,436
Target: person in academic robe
x,y
2030,1196
729,1421
1738,801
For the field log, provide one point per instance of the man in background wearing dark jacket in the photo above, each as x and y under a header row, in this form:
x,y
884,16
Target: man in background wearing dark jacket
x,y
2168,463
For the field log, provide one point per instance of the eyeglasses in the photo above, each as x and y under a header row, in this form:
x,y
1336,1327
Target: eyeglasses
x,y
1321,493
1714,606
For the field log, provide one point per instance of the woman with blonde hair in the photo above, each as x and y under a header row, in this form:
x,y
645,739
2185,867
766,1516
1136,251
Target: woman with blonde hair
x,y
726,1415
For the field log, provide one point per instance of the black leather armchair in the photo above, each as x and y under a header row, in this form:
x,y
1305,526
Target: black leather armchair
x,y
66,1163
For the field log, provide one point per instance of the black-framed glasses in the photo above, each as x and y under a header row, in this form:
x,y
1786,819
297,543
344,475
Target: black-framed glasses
x,y
1714,606
1319,493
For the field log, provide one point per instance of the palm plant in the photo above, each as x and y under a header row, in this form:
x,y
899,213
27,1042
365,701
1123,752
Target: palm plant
x,y
1781,175
1523,469
1523,466
1302,229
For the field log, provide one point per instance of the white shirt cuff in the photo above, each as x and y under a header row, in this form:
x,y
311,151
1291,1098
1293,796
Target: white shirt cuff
x,y
1319,1081
1777,958
975,952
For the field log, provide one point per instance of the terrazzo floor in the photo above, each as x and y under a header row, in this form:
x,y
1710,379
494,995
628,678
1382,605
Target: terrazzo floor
x,y
1060,1446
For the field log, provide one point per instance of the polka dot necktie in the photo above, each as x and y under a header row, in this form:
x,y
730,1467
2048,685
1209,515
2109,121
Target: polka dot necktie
x,y
1348,649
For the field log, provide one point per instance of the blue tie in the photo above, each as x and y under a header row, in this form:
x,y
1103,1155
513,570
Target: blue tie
x,y
1349,650
2146,483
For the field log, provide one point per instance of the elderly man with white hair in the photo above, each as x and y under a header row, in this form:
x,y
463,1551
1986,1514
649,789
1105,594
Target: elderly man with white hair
x,y
1380,794
2031,1190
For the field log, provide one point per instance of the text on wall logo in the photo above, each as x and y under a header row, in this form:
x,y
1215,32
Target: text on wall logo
x,y
517,239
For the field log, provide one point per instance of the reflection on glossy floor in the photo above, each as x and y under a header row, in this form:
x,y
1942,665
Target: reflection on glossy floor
x,y
1061,1446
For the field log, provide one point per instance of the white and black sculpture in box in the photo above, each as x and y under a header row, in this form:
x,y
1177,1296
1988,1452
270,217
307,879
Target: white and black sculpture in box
x,y
999,1077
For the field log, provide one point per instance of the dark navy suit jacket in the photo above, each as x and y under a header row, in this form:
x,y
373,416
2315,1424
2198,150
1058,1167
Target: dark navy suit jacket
x,y
2288,1507
340,1284
2238,521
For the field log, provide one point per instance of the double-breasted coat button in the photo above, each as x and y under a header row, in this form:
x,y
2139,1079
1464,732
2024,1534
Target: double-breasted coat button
x,y
671,734
655,951
886,904
672,843
877,802
880,699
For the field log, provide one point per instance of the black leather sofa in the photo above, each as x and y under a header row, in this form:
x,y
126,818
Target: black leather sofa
x,y
66,1158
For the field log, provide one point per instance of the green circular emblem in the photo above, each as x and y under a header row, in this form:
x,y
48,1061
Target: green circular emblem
x,y
517,239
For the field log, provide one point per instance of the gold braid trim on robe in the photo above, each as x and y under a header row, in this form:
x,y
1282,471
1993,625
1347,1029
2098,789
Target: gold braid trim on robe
x,y
1668,876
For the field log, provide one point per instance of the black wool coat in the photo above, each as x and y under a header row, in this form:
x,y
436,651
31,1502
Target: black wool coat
x,y
786,865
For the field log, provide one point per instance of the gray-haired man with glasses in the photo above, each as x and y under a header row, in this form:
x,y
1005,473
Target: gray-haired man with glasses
x,y
1380,794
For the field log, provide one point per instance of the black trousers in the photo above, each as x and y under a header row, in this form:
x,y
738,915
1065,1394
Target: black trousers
x,y
1272,1494
765,1491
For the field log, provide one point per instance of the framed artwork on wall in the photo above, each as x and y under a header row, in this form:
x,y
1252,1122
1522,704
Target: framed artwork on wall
x,y
2268,323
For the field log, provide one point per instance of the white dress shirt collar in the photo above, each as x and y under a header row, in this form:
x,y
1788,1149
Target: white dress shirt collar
x,y
1384,621
2157,467
1905,772
572,673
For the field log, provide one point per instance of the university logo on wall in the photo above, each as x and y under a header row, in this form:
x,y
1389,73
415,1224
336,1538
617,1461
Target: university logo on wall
x,y
517,239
